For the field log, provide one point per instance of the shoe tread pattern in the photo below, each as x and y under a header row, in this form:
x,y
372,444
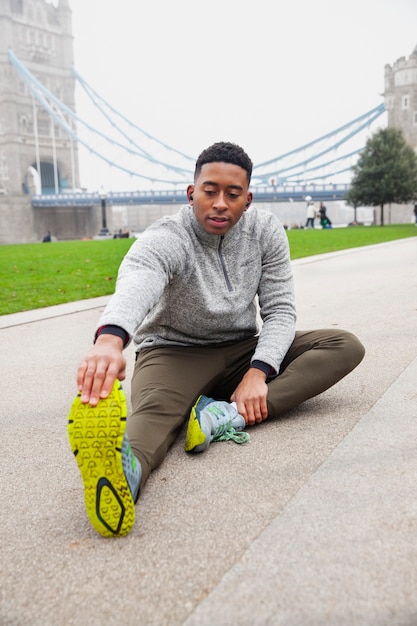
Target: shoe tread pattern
x,y
96,437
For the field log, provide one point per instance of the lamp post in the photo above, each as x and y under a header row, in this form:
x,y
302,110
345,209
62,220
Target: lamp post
x,y
104,232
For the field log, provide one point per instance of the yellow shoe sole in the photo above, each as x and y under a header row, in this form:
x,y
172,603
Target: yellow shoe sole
x,y
96,437
194,436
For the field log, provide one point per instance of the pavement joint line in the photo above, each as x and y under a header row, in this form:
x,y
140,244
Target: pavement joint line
x,y
233,585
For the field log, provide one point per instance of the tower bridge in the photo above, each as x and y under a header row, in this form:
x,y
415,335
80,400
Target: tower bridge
x,y
43,135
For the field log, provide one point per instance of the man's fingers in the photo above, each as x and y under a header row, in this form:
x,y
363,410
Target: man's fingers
x,y
93,384
98,371
81,375
254,412
95,375
107,384
85,381
264,409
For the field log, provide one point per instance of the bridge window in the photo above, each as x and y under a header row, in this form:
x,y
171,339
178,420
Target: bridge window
x,y
23,123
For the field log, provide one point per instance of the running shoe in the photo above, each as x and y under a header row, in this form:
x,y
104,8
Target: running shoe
x,y
212,420
110,472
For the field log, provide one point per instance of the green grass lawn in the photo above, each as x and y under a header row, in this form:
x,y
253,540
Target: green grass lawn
x,y
318,241
40,275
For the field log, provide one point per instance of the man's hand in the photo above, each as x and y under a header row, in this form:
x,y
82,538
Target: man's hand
x,y
250,396
103,364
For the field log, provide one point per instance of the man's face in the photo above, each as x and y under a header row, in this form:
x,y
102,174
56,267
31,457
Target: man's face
x,y
219,196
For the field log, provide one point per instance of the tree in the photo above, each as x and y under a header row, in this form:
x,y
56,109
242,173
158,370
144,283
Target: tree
x,y
386,172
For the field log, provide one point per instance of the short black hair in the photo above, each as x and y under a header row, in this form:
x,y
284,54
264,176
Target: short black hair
x,y
224,152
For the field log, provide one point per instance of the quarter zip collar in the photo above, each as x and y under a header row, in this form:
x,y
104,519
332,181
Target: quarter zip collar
x,y
212,240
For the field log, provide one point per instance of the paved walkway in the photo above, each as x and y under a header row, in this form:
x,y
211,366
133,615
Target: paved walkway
x,y
313,522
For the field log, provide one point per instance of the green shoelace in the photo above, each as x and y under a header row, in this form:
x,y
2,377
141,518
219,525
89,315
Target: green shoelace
x,y
227,432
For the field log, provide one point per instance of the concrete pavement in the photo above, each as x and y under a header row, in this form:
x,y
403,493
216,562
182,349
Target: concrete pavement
x,y
314,521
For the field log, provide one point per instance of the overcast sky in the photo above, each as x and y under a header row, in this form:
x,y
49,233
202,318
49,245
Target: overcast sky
x,y
270,75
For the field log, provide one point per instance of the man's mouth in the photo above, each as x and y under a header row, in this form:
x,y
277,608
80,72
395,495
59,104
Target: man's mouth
x,y
219,220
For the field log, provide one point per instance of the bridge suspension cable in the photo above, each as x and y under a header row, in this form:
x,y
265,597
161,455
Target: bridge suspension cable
x,y
124,139
284,170
97,99
67,120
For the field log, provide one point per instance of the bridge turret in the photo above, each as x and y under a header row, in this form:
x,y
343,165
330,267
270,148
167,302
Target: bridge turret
x,y
401,96
39,35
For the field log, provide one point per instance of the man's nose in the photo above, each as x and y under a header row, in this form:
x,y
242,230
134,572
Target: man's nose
x,y
220,203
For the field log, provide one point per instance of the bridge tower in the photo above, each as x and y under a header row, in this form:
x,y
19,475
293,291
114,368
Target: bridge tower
x,y
35,154
401,96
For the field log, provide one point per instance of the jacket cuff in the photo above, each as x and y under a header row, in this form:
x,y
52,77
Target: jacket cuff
x,y
264,367
111,329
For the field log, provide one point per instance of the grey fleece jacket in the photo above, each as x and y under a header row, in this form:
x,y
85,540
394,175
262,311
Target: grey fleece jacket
x,y
179,285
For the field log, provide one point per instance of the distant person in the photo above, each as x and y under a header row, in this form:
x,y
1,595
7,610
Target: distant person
x,y
311,214
325,221
415,214
121,234
47,238
186,296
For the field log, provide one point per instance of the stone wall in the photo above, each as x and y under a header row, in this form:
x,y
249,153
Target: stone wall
x,y
21,223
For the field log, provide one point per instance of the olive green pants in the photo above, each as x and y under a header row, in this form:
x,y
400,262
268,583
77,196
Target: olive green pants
x,y
167,381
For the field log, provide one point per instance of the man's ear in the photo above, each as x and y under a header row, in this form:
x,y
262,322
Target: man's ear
x,y
190,191
248,200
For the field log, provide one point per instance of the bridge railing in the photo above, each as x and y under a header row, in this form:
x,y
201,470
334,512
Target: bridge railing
x,y
261,193
289,193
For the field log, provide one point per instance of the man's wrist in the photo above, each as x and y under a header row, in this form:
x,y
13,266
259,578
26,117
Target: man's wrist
x,y
112,341
256,374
